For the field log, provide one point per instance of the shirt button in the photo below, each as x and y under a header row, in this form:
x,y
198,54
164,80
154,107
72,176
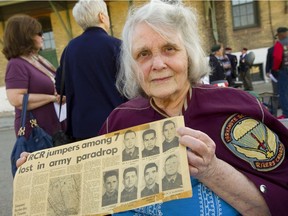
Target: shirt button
x,y
263,188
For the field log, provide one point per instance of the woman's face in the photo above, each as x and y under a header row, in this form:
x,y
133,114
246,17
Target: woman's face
x,y
38,40
162,63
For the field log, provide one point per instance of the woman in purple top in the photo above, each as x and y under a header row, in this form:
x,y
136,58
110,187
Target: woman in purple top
x,y
236,153
28,72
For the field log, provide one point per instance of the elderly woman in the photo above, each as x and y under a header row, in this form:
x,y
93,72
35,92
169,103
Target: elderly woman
x,y
236,148
90,63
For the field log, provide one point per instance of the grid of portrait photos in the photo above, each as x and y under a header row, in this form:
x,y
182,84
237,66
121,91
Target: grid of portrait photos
x,y
149,164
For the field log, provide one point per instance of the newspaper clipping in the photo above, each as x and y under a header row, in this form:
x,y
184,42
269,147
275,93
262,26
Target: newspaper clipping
x,y
116,172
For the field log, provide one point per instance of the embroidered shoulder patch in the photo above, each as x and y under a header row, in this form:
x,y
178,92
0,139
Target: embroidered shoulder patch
x,y
254,142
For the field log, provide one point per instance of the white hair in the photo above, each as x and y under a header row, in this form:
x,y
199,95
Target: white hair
x,y
167,19
85,12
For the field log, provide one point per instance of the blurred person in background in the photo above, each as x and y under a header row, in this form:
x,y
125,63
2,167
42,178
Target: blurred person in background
x,y
280,64
29,73
244,71
273,75
218,71
234,62
90,63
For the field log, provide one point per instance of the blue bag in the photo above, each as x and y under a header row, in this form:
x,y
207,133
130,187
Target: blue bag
x,y
37,140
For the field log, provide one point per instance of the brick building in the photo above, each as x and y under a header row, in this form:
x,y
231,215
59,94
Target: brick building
x,y
237,24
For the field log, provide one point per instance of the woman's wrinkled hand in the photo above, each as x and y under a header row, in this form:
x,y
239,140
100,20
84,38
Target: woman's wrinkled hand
x,y
200,152
22,159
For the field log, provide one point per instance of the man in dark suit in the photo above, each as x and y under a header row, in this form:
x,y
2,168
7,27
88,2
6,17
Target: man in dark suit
x,y
111,186
130,152
172,178
169,133
150,176
90,63
149,140
130,179
280,64
233,60
273,75
244,70
218,71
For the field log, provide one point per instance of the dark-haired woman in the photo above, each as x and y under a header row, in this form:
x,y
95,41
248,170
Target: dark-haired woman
x,y
28,72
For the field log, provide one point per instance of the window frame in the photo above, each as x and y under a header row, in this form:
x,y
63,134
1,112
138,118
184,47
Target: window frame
x,y
49,39
255,8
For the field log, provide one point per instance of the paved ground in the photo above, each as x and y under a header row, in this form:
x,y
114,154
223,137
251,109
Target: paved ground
x,y
262,87
7,140
6,120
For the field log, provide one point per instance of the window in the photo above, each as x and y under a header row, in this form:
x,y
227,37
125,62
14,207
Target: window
x,y
244,13
48,40
49,49
49,43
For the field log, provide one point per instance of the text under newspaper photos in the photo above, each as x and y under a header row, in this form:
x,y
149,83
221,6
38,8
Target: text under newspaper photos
x,y
116,172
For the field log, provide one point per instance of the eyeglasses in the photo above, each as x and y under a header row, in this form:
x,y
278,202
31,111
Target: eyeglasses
x,y
40,34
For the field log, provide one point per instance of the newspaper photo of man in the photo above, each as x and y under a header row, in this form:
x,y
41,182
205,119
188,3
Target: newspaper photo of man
x,y
172,178
169,133
131,151
130,180
111,187
149,141
150,177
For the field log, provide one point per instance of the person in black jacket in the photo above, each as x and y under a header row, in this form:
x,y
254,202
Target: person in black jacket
x,y
233,60
218,72
131,151
150,177
169,133
90,63
149,141
172,178
111,188
273,75
130,181
244,70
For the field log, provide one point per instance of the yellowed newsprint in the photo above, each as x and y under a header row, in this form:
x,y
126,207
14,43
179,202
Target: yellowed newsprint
x,y
96,176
